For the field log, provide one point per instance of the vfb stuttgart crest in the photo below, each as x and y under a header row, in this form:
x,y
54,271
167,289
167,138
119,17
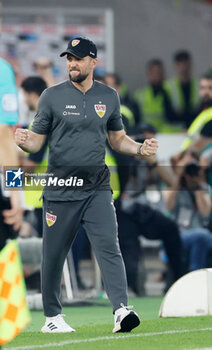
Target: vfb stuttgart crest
x,y
50,219
100,110
75,42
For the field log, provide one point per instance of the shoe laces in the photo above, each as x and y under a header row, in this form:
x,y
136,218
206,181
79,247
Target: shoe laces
x,y
129,307
60,320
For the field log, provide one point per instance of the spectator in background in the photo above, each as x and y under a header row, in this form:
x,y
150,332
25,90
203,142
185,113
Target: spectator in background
x,y
138,215
200,131
189,204
129,108
199,136
184,89
43,67
33,88
153,100
25,114
205,91
35,162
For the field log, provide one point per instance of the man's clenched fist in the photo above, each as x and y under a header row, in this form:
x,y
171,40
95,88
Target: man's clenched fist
x,y
149,147
21,136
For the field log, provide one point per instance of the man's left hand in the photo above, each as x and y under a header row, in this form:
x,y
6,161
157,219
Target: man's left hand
x,y
149,147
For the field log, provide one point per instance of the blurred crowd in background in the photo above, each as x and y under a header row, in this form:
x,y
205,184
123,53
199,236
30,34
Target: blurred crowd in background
x,y
159,202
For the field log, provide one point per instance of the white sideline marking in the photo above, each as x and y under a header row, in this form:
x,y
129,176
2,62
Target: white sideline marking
x,y
200,349
78,341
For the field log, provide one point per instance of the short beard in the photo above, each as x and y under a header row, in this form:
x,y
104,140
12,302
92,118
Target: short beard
x,y
79,79
206,104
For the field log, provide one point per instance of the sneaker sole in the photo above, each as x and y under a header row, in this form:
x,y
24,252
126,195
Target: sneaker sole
x,y
129,322
55,331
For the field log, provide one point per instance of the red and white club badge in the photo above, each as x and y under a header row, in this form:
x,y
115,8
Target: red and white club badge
x,y
100,110
75,42
50,219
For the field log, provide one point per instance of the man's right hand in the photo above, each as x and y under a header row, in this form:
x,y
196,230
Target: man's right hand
x,y
28,140
21,136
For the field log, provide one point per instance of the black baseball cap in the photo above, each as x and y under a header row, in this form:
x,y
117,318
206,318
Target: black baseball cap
x,y
147,127
81,47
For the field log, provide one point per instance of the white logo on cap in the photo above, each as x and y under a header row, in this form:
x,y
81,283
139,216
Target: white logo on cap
x,y
92,53
75,42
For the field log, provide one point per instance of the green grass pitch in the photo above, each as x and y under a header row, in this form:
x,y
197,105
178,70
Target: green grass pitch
x,y
94,325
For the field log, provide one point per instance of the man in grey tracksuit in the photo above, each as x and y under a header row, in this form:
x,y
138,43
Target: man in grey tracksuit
x,y
77,115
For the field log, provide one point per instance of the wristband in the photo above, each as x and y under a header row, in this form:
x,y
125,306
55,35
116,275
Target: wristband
x,y
139,149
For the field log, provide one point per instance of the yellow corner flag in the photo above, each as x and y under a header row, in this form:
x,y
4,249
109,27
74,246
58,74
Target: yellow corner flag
x,y
14,314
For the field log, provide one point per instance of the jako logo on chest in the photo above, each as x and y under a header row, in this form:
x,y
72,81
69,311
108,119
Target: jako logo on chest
x,y
71,106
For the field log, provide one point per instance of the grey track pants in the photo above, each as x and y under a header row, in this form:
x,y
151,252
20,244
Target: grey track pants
x,y
97,214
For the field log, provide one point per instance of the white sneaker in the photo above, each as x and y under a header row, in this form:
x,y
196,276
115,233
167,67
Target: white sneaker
x,y
56,324
125,320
